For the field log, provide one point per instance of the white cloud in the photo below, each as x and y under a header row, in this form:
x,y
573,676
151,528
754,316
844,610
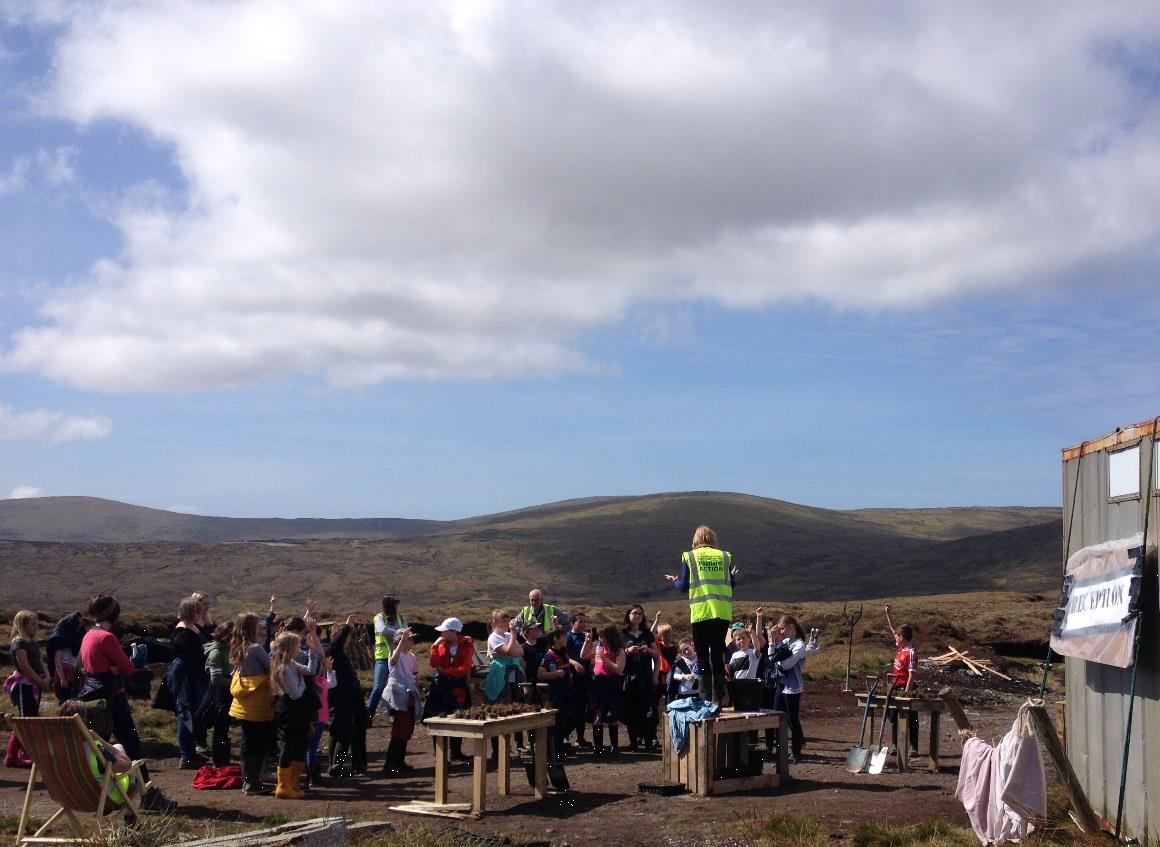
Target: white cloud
x,y
55,167
51,426
23,492
430,190
15,176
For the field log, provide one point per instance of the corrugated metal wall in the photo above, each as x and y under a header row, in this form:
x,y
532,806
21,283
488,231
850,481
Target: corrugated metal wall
x,y
1097,695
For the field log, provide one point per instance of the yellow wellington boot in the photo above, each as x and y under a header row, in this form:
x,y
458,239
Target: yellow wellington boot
x,y
299,772
286,789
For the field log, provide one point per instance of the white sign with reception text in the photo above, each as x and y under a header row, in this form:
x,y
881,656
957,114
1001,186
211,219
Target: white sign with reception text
x,y
1099,606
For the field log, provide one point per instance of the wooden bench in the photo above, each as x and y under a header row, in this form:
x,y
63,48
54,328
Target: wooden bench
x,y
905,743
718,745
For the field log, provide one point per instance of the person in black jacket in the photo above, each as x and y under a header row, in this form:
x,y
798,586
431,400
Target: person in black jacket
x,y
189,681
348,715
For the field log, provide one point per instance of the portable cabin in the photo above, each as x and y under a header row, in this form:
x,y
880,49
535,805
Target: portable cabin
x,y
1110,484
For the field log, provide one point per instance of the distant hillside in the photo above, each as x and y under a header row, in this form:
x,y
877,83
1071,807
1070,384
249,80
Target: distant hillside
x,y
91,519
603,550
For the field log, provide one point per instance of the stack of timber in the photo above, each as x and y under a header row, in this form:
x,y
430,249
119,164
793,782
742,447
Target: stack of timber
x,y
954,656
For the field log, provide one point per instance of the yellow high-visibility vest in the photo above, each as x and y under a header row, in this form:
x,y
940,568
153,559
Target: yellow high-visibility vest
x,y
382,643
710,586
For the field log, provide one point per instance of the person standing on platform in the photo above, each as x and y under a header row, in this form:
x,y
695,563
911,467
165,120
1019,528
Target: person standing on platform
x,y
708,574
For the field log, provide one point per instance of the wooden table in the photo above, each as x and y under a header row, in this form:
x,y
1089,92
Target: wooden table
x,y
912,708
720,743
476,737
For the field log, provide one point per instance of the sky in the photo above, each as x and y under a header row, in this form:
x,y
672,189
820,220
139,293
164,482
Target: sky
x,y
428,259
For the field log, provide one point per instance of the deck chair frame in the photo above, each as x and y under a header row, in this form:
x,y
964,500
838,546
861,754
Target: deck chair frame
x,y
51,771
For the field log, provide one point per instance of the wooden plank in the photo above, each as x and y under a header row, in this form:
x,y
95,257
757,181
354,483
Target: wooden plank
x,y
541,762
1061,722
431,810
955,708
783,751
316,832
744,783
441,771
903,743
934,741
503,769
479,785
1120,437
1085,817
488,728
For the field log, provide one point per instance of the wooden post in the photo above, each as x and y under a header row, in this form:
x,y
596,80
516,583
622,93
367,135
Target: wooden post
x,y
479,784
440,770
1085,818
783,750
903,743
541,759
503,768
1061,721
934,741
956,709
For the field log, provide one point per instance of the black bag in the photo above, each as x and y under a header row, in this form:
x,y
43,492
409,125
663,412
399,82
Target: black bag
x,y
214,704
165,698
310,699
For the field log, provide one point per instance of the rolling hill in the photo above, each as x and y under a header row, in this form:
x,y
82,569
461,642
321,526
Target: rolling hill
x,y
57,551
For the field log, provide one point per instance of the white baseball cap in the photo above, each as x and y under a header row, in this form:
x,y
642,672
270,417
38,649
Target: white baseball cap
x,y
453,624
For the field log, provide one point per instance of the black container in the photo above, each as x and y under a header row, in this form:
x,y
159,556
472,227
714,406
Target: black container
x,y
745,695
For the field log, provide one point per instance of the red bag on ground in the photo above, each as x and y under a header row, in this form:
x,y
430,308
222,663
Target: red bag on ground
x,y
209,778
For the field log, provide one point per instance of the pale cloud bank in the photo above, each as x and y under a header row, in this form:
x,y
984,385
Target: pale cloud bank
x,y
51,426
24,492
432,190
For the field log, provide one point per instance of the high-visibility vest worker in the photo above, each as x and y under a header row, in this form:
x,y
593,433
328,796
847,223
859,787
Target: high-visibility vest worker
x,y
710,584
527,615
382,642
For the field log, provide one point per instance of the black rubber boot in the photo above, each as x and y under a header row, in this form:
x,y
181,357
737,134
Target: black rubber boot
x,y
614,734
598,740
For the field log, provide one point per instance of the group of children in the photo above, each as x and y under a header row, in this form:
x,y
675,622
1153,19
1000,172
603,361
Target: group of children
x,y
284,688
627,674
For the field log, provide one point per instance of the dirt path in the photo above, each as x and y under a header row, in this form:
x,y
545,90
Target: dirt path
x,y
604,806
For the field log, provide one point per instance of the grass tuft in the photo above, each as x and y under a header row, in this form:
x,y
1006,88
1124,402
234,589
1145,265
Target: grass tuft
x,y
784,831
925,834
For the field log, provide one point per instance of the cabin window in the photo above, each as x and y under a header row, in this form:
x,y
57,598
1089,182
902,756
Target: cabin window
x,y
1124,473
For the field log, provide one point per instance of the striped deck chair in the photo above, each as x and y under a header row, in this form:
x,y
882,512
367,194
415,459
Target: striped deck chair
x,y
64,757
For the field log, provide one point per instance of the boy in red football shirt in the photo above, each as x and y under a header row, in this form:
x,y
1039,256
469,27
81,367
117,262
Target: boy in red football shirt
x,y
903,673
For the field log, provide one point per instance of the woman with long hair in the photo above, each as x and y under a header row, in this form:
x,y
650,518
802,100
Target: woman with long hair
x,y
788,657
29,680
608,661
253,698
640,670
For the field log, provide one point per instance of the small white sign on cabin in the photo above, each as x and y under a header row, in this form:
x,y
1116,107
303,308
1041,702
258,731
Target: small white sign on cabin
x,y
1099,605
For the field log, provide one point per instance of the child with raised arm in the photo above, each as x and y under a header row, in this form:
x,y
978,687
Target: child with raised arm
x,y
903,673
404,701
295,706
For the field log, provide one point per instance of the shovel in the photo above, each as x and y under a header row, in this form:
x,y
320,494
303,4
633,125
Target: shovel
x,y
858,755
879,758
